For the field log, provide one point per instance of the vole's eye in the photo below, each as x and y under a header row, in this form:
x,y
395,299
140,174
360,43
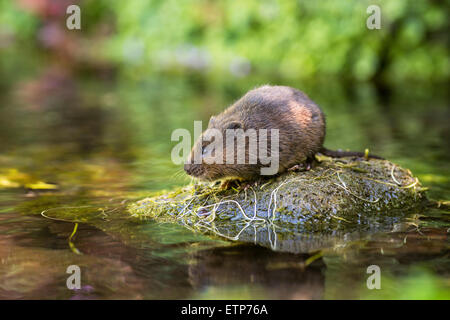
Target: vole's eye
x,y
234,125
204,148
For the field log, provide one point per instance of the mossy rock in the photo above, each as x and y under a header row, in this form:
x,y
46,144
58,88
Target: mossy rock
x,y
297,211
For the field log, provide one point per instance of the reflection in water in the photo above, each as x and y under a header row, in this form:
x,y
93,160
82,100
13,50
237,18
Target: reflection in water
x,y
63,116
414,264
267,274
106,142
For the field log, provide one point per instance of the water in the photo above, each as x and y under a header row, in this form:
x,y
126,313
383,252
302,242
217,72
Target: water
x,y
101,138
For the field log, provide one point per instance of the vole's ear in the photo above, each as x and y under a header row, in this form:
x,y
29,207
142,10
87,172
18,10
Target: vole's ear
x,y
211,121
234,125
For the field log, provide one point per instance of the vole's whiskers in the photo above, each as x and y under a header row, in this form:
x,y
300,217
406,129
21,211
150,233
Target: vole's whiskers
x,y
177,173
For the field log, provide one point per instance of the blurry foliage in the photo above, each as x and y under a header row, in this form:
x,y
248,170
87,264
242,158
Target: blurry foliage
x,y
15,22
289,38
407,287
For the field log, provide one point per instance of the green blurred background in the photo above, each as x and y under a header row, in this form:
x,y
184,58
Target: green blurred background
x,y
298,39
295,39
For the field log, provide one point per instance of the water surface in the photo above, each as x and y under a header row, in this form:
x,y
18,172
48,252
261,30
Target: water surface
x,y
84,143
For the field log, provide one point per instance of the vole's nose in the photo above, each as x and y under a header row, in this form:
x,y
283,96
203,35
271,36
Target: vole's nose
x,y
188,168
194,170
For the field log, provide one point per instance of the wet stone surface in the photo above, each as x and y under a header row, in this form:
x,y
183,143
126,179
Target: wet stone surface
x,y
297,211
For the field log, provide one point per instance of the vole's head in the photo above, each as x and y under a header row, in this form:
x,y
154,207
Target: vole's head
x,y
208,158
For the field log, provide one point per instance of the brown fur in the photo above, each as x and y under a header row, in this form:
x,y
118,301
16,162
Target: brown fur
x,y
301,125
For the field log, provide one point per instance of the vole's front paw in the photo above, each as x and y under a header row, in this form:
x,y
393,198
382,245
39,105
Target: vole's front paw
x,y
301,167
245,185
238,184
229,184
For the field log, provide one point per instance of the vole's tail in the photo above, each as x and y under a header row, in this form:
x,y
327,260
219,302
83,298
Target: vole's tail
x,y
340,154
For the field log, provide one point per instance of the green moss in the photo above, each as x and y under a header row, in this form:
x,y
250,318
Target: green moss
x,y
338,196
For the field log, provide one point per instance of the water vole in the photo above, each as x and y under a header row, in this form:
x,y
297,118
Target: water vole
x,y
301,133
